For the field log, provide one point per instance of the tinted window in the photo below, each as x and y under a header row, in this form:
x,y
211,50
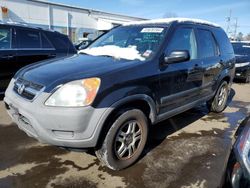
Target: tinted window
x,y
223,41
45,42
207,43
183,39
28,39
5,38
60,42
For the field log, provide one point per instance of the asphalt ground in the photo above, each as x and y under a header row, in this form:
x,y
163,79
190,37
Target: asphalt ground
x,y
188,150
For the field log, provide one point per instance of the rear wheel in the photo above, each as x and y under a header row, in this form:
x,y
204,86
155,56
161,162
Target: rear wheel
x,y
125,140
219,102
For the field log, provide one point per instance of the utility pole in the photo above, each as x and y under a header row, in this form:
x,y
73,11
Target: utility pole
x,y
235,28
228,20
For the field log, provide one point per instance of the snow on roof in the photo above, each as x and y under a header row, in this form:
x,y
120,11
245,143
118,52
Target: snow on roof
x,y
170,20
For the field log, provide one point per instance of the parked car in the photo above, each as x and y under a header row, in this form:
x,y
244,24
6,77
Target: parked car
x,y
238,170
132,77
242,53
21,45
82,43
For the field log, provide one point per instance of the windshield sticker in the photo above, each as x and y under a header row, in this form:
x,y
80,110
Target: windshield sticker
x,y
147,53
152,30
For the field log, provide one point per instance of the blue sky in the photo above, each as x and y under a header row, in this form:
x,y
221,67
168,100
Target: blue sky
x,y
212,10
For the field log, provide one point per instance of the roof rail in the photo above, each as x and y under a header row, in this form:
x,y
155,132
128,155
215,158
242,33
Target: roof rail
x,y
25,25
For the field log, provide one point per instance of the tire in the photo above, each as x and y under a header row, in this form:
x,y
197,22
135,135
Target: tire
x,y
219,102
125,140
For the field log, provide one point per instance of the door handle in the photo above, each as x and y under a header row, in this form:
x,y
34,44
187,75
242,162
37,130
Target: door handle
x,y
52,55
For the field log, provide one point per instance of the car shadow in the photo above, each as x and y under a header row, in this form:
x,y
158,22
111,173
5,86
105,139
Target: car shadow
x,y
159,132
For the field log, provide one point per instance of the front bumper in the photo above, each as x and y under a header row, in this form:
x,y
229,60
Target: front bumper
x,y
242,72
66,127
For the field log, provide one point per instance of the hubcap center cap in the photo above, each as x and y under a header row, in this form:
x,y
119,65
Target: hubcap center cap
x,y
129,139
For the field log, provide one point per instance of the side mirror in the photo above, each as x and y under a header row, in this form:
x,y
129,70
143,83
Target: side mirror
x,y
177,56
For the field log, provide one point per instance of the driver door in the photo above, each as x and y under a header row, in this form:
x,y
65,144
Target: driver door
x,y
180,82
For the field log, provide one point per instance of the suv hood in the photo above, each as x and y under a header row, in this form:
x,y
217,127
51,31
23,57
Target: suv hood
x,y
59,71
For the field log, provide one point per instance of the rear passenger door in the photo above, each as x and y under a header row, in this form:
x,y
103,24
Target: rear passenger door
x,y
7,56
33,46
209,54
181,82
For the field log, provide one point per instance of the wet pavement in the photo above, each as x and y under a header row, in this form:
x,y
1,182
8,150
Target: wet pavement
x,y
188,150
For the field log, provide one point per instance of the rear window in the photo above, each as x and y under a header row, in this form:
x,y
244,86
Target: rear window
x,y
241,48
28,39
5,38
207,43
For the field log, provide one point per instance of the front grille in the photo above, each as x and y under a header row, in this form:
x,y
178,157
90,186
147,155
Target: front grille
x,y
27,89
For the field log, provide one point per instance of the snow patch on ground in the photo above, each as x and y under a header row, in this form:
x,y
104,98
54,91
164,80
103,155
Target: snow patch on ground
x,y
169,20
130,53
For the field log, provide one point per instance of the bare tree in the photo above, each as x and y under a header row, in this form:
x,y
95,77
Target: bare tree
x,y
247,37
239,36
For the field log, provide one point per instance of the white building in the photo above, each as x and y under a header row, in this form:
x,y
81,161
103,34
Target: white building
x,y
70,20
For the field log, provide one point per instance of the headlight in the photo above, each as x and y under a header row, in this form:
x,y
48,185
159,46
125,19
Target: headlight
x,y
242,64
75,94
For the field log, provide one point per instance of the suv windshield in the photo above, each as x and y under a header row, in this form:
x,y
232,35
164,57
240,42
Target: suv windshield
x,y
128,42
241,48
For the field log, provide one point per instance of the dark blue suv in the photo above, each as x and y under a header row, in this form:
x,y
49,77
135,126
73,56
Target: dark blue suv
x,y
132,77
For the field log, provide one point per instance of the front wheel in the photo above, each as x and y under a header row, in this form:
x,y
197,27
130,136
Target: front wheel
x,y
125,140
219,102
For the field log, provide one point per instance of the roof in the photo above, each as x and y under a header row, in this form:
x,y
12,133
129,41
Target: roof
x,y
25,25
98,12
170,20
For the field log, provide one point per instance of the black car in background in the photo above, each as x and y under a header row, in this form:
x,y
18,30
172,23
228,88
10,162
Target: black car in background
x,y
242,53
21,45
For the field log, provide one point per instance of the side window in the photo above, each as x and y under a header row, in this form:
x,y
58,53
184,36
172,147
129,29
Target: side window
x,y
28,39
183,39
225,45
45,42
207,44
5,38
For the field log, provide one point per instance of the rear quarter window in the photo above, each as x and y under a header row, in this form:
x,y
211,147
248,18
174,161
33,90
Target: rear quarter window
x,y
61,42
45,42
223,41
